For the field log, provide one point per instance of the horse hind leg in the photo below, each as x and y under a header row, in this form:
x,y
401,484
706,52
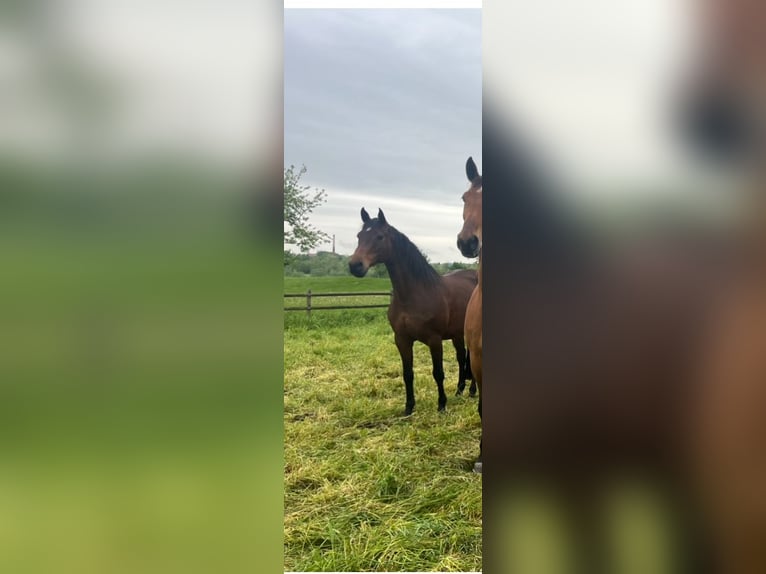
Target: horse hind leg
x,y
438,371
469,375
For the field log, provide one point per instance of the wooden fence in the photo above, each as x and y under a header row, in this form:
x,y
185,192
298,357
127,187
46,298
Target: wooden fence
x,y
309,297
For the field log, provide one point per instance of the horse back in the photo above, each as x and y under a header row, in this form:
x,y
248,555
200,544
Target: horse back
x,y
461,282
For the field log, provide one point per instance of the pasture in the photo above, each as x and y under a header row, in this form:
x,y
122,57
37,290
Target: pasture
x,y
137,380
365,488
368,490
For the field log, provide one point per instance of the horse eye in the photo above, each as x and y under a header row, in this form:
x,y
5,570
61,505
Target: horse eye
x,y
379,237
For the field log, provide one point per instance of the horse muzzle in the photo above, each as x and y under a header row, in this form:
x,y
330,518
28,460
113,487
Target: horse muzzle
x,y
357,268
469,247
720,126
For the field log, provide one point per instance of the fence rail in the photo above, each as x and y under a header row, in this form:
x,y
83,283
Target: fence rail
x,y
309,296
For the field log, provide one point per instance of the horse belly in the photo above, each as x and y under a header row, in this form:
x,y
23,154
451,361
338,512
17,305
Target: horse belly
x,y
419,327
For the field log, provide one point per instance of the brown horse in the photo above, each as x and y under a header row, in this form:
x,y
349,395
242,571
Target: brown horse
x,y
638,358
426,306
469,244
727,110
594,350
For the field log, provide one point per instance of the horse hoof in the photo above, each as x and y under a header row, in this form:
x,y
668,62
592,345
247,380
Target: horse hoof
x,y
477,467
459,392
472,394
408,412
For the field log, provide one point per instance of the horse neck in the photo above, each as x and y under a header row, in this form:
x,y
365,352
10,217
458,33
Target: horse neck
x,y
755,217
478,271
405,281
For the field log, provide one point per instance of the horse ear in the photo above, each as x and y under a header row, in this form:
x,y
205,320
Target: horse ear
x,y
470,170
381,217
365,216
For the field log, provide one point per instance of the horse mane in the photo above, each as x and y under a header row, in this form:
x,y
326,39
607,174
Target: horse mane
x,y
527,218
411,258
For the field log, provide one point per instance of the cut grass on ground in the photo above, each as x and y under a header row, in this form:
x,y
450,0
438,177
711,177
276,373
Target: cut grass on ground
x,y
365,488
368,490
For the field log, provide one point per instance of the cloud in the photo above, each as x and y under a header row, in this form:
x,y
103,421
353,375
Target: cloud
x,y
432,225
384,106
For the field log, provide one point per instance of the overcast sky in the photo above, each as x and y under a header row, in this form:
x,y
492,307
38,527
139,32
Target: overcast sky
x,y
384,107
593,82
188,76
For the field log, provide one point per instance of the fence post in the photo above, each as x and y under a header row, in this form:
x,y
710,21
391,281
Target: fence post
x,y
308,302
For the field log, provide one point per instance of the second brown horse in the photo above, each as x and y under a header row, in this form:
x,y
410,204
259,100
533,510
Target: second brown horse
x,y
469,243
426,306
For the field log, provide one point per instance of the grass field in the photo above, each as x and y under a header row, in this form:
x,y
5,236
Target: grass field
x,y
365,488
136,384
368,490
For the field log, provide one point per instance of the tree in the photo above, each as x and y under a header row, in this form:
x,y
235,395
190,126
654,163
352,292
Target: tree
x,y
300,201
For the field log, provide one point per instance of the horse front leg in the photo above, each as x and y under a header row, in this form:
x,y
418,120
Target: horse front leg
x,y
478,465
438,370
405,352
462,365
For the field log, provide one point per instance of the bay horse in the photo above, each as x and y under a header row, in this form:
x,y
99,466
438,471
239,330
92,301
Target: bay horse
x,y
726,115
425,307
642,358
469,244
594,349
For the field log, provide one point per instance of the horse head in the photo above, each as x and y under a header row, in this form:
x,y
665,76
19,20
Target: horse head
x,y
725,104
469,238
374,244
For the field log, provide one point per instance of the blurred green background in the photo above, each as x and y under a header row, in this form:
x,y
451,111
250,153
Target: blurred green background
x,y
140,402
140,287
